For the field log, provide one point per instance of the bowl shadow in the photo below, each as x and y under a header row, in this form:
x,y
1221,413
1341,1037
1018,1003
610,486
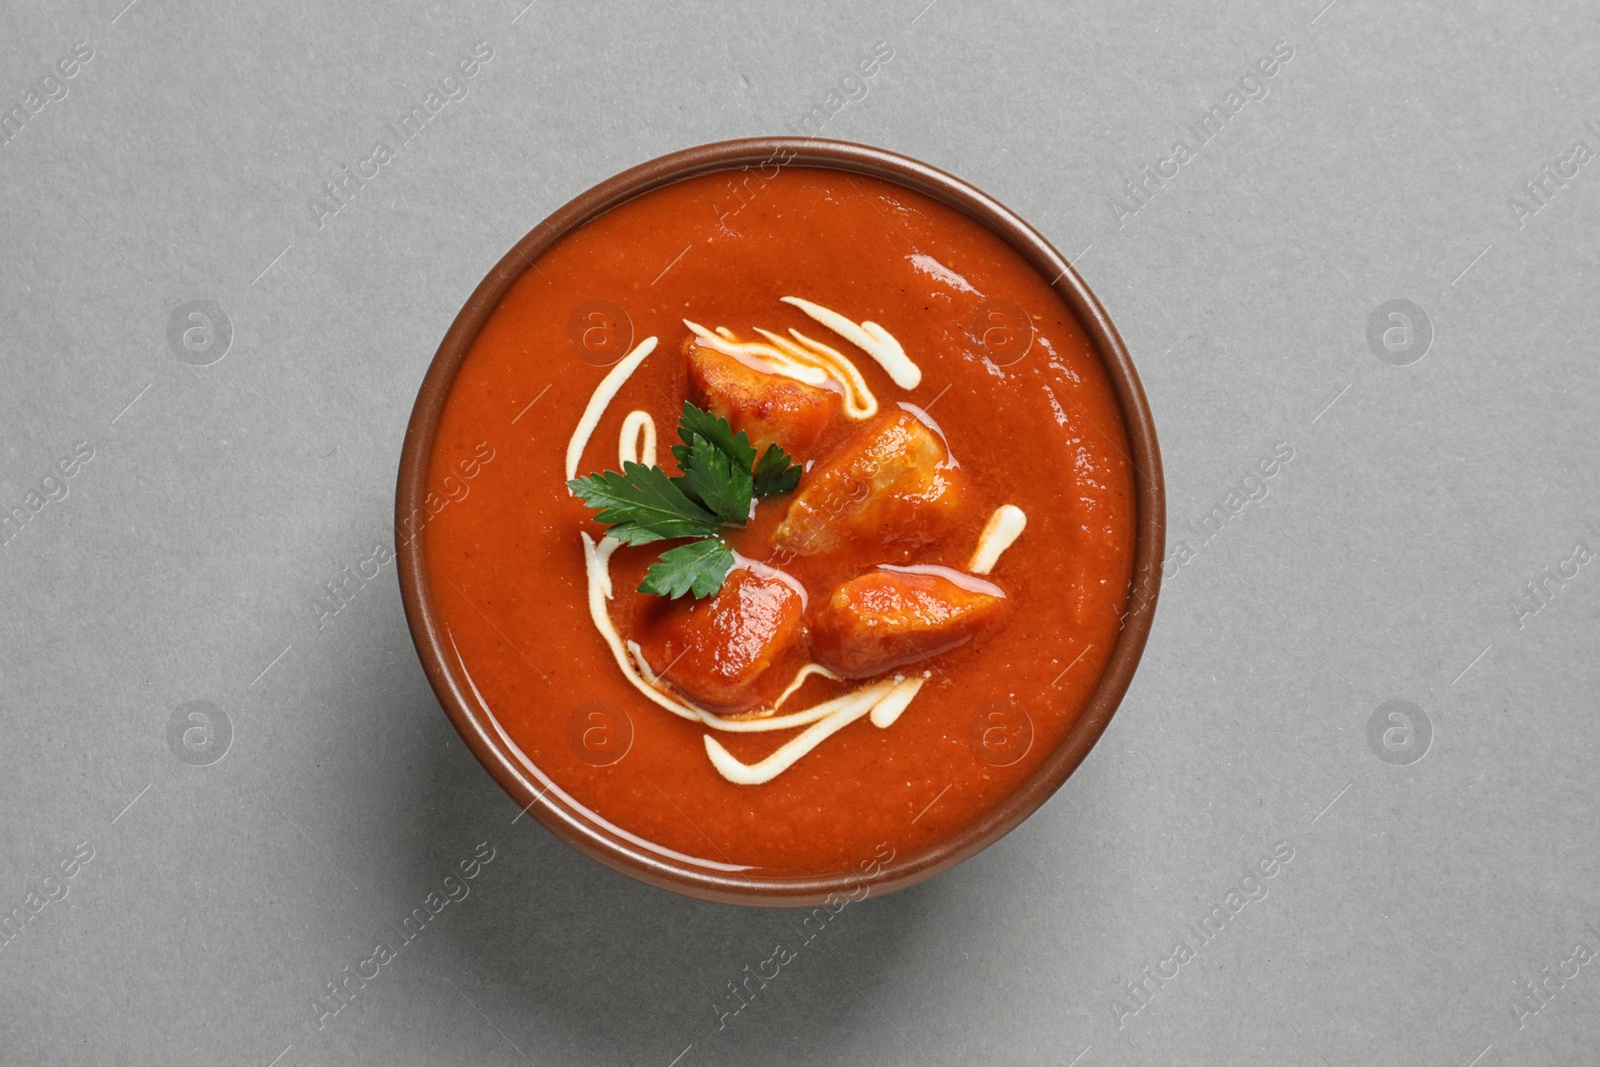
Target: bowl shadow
x,y
580,962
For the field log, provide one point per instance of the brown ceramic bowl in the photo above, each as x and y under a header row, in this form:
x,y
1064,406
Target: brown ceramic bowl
x,y
574,826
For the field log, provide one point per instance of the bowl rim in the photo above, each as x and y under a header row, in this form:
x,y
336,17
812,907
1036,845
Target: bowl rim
x,y
570,823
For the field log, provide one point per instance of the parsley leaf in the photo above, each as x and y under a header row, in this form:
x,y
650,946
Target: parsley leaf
x,y
642,505
720,478
710,477
776,473
714,429
698,567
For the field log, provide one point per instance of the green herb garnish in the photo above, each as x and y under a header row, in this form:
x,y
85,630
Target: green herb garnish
x,y
721,476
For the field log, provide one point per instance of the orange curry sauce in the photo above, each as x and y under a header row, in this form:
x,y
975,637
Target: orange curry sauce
x,y
506,563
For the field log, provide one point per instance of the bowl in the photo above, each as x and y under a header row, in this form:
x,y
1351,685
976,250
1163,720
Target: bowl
x,y
581,829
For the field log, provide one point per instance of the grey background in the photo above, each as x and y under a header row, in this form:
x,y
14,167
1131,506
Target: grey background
x,y
188,557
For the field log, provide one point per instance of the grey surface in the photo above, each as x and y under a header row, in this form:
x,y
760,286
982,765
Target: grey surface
x,y
187,559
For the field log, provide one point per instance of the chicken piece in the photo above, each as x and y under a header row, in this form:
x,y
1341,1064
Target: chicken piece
x,y
771,408
891,484
716,650
890,617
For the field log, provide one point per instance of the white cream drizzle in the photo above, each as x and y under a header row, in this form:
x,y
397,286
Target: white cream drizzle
x,y
871,338
1002,529
759,356
814,363
630,659
747,723
597,563
859,403
804,360
800,677
887,710
766,570
637,443
604,393
954,577
859,703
